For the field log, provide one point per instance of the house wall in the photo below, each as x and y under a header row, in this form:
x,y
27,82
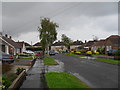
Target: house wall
x,y
58,48
75,47
11,50
24,48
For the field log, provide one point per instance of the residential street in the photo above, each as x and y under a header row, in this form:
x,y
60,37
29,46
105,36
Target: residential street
x,y
96,74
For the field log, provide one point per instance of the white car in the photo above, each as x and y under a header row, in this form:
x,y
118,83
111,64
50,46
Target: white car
x,y
29,52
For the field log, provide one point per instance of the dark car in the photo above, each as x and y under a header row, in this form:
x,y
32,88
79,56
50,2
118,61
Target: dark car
x,y
51,52
6,57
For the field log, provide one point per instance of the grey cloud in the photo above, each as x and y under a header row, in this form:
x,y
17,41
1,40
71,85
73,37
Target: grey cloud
x,y
20,18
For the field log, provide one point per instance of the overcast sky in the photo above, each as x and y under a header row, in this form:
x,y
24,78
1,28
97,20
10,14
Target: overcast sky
x,y
78,20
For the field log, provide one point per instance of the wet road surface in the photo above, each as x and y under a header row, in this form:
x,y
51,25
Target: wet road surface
x,y
95,74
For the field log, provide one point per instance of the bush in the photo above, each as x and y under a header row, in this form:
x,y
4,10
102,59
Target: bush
x,y
78,52
89,52
97,53
12,76
19,70
72,51
6,82
117,53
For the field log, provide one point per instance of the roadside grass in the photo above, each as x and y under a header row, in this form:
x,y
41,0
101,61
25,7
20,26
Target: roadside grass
x,y
75,55
49,61
29,57
46,55
98,54
107,60
63,80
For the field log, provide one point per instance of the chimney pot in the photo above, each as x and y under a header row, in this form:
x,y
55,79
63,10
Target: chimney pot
x,y
6,35
10,37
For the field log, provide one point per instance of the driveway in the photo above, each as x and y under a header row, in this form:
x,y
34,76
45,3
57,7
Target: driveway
x,y
95,74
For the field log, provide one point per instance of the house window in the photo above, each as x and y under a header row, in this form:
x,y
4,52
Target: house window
x,y
3,48
109,48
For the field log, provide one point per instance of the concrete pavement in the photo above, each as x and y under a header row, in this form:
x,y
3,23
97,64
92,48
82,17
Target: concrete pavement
x,y
33,78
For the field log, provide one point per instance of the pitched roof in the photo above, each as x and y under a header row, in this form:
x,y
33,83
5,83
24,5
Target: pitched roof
x,y
99,43
115,39
77,43
20,44
27,44
13,43
58,44
89,43
37,44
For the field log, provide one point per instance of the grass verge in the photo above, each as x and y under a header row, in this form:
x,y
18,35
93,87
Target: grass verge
x,y
107,60
49,61
63,80
75,55
30,57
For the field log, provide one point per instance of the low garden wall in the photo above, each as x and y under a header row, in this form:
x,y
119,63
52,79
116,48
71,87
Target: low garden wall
x,y
18,81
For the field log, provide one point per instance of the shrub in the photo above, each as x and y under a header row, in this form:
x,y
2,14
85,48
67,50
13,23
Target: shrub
x,y
78,52
72,51
97,53
117,53
89,52
19,70
11,76
6,82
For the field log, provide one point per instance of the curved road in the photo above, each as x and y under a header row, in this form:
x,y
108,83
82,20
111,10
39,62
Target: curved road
x,y
96,74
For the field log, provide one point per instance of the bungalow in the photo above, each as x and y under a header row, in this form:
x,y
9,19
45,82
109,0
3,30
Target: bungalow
x,y
97,45
27,45
37,45
22,46
88,45
58,46
110,44
75,45
9,46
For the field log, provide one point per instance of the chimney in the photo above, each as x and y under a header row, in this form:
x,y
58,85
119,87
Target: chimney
x,y
10,37
85,41
0,33
6,35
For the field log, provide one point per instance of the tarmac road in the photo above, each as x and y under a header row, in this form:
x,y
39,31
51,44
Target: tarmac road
x,y
94,73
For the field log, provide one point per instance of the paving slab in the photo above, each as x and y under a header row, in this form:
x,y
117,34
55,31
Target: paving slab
x,y
33,79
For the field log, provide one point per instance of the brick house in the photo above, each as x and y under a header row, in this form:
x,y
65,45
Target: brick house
x,y
110,44
98,44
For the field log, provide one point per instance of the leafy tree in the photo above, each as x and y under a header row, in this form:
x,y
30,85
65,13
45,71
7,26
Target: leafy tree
x,y
48,33
66,41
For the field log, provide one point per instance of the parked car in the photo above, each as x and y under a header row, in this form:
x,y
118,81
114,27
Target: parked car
x,y
39,54
29,52
6,58
51,52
